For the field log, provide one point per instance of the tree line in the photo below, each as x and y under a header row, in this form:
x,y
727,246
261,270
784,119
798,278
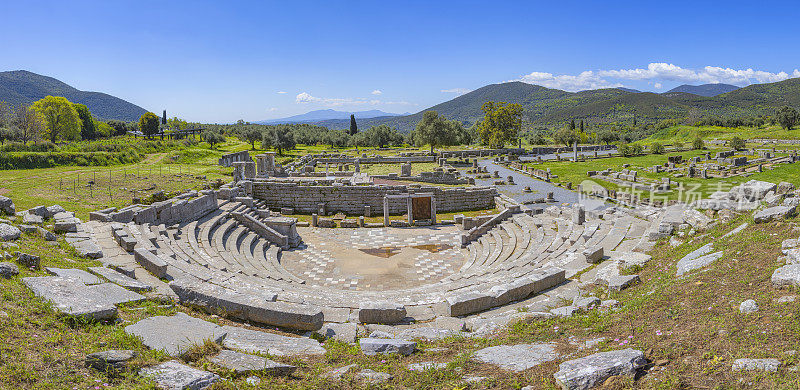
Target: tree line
x,y
55,119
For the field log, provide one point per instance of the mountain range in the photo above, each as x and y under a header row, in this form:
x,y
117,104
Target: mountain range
x,y
548,107
706,90
543,107
321,115
23,87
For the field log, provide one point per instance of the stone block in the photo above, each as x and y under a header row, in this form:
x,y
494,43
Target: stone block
x,y
72,273
121,279
773,214
370,346
174,375
518,357
254,341
468,303
175,334
242,364
151,262
381,313
27,260
261,309
9,232
594,254
590,371
72,297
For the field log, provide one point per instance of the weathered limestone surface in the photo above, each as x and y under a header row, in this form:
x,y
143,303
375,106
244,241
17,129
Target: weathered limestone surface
x,y
116,294
7,206
518,357
151,262
345,332
121,279
688,263
594,254
773,213
786,276
174,375
370,346
260,309
9,232
175,334
590,371
254,341
748,306
72,297
467,303
381,313
633,259
72,273
242,363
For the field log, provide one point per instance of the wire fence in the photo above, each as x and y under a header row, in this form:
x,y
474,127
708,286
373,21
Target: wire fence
x,y
126,184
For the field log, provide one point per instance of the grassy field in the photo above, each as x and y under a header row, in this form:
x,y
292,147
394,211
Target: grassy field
x,y
575,172
687,134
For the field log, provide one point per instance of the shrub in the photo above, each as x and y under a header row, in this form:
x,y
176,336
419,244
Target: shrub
x,y
698,144
656,148
737,143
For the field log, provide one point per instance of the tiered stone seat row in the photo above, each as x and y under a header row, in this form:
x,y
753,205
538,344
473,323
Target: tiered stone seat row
x,y
219,265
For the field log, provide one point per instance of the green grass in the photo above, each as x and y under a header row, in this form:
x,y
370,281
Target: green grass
x,y
575,172
687,134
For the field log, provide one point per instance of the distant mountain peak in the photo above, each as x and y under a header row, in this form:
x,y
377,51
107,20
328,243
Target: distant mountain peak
x,y
327,114
707,90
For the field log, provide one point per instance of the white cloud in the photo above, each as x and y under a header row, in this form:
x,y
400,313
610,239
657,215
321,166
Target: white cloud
x,y
281,92
273,109
457,91
660,71
658,85
376,92
581,81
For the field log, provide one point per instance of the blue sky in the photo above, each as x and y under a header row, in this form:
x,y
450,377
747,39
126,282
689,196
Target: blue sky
x,y
254,60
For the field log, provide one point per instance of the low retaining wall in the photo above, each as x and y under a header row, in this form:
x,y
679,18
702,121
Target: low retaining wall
x,y
374,160
266,232
474,233
482,152
351,200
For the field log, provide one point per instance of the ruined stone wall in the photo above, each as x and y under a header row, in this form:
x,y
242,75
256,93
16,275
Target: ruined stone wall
x,y
227,160
167,212
352,199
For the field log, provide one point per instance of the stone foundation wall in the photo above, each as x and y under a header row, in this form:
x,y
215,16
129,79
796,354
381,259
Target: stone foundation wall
x,y
352,199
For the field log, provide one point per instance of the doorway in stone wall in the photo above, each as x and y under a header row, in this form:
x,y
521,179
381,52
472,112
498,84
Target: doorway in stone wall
x,y
421,207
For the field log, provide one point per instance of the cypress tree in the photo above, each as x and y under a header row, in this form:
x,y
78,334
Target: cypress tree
x,y
572,124
353,125
164,118
582,129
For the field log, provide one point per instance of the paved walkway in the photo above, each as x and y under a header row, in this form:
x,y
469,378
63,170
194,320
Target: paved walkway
x,y
375,259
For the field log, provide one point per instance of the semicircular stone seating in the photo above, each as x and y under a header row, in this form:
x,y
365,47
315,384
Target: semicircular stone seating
x,y
217,264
